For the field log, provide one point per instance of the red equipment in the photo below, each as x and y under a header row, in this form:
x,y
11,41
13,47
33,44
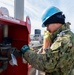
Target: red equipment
x,y
19,32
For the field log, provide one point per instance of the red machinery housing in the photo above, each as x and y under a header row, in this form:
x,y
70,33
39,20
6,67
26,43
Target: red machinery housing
x,y
19,32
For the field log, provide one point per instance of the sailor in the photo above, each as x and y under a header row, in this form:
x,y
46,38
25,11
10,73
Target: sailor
x,y
58,56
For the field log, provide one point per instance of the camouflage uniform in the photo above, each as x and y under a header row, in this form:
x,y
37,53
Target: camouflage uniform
x,y
59,59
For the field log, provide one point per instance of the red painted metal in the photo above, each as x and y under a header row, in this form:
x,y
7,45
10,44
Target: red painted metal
x,y
19,32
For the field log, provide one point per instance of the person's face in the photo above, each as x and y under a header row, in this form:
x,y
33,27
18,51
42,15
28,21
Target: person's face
x,y
53,27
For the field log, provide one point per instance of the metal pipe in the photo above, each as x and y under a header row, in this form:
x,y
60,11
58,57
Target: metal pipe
x,y
5,31
19,9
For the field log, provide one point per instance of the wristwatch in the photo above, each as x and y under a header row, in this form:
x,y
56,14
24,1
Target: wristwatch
x,y
46,49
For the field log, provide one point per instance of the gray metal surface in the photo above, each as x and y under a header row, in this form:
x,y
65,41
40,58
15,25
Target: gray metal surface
x,y
19,9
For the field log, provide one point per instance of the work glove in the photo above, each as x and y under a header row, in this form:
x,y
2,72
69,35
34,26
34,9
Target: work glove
x,y
25,48
47,35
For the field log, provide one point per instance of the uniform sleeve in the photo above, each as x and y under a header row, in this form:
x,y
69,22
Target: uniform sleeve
x,y
44,62
57,56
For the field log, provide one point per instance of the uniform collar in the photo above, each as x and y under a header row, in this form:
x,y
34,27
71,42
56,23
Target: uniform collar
x,y
62,28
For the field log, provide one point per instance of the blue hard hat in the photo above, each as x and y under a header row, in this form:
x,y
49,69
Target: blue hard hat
x,y
48,13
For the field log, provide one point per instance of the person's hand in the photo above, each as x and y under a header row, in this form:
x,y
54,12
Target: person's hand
x,y
25,48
